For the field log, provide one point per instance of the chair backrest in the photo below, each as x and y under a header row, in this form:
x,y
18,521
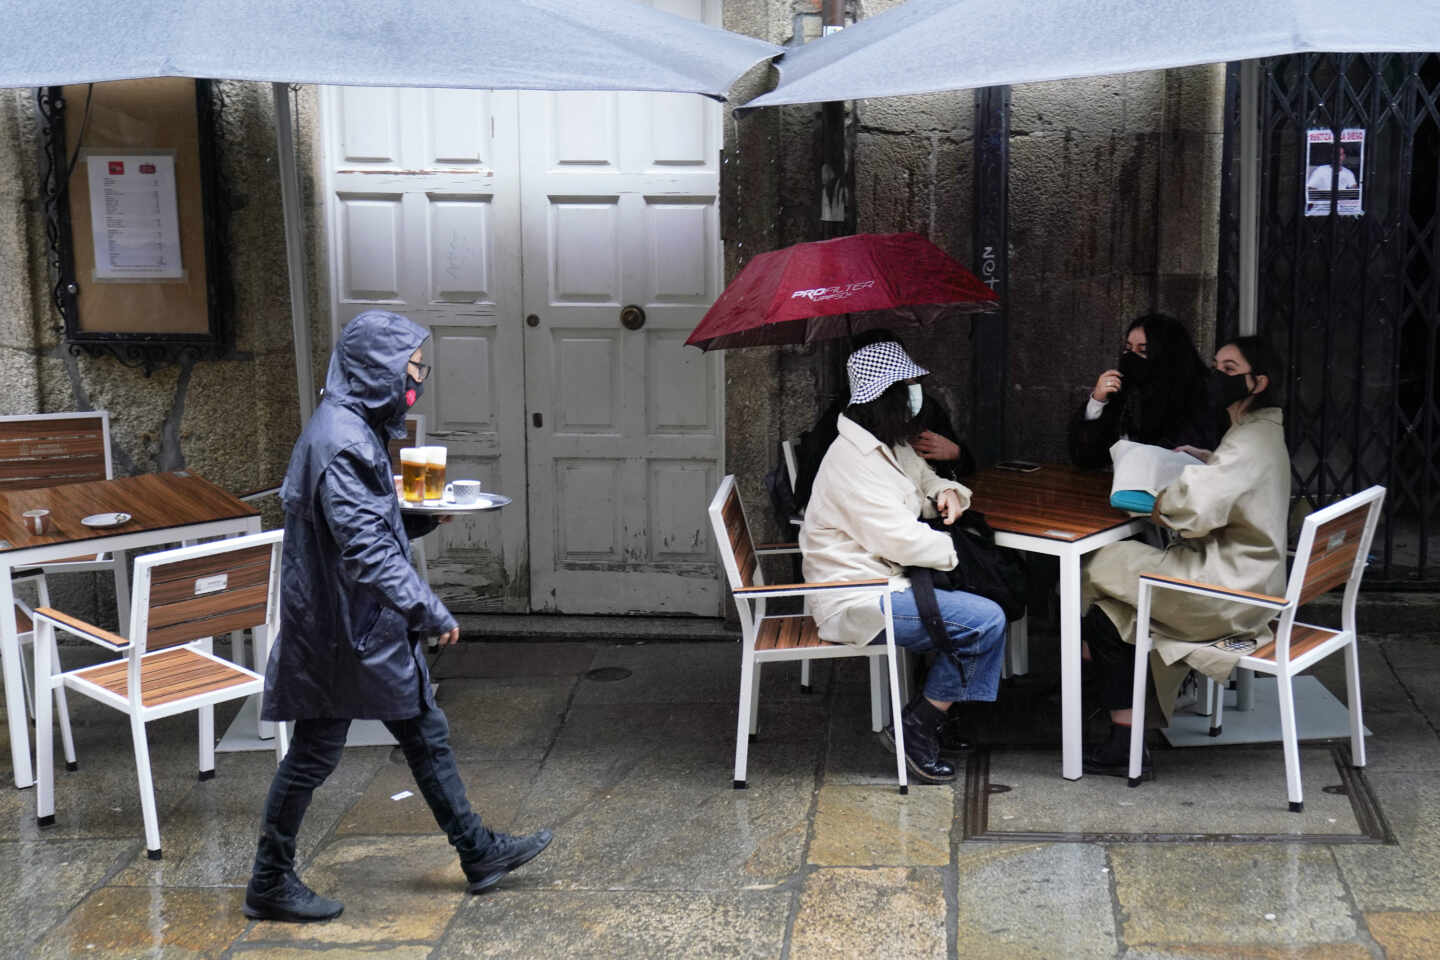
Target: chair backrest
x,y
732,534
1333,548
48,449
414,437
203,591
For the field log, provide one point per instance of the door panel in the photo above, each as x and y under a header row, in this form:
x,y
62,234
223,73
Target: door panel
x,y
618,204
425,216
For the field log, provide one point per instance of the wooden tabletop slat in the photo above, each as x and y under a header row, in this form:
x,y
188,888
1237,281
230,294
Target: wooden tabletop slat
x,y
155,501
1056,502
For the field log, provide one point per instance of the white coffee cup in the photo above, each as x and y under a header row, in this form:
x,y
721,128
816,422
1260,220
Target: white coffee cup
x,y
463,491
37,521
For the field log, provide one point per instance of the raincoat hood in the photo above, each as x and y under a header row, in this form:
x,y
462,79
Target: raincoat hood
x,y
367,369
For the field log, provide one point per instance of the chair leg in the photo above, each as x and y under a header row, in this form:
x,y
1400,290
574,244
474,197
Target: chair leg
x,y
805,675
205,718
1207,705
897,726
743,714
25,680
1352,700
1137,692
879,701
147,788
122,592
44,745
282,741
62,704
755,700
1017,647
1217,717
1285,692
1244,689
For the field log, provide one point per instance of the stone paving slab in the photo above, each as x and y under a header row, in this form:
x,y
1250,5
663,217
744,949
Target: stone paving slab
x,y
1265,895
852,912
862,826
116,923
602,925
1405,876
1226,790
1022,901
1406,936
40,882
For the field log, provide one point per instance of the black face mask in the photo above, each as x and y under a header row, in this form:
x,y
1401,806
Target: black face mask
x,y
414,389
1226,389
1134,368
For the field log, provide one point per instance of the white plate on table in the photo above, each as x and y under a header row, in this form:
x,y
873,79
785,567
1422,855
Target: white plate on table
x,y
105,519
487,501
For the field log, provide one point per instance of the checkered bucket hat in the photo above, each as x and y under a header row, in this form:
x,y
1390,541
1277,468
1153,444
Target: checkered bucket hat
x,y
874,368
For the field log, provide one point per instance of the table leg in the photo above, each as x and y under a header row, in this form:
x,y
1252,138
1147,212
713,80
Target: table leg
x,y
19,725
1072,721
122,591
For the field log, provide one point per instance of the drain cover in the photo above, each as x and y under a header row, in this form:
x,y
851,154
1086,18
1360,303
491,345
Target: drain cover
x,y
607,674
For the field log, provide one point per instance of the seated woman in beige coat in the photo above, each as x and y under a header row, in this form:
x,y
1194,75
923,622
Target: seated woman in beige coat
x,y
863,521
1228,519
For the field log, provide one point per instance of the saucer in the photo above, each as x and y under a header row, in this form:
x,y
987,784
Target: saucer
x,y
105,519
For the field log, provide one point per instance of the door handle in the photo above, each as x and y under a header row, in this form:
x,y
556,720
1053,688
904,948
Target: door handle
x,y
537,419
632,317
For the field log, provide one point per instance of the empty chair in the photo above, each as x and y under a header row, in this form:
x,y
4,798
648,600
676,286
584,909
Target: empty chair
x,y
1334,544
767,638
182,598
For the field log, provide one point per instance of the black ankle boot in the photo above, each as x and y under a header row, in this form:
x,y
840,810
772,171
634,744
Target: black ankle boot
x,y
922,722
1111,758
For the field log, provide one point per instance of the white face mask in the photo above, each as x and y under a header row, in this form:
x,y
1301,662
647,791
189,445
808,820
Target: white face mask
x,y
917,399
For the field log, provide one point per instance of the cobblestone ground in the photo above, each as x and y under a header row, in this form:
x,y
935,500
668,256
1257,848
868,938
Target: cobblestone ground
x,y
656,855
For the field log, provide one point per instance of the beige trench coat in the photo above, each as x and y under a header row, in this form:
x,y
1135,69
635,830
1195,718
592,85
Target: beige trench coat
x,y
861,523
1230,515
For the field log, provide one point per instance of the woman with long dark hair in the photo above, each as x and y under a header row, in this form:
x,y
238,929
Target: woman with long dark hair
x,y
1154,394
1227,518
863,521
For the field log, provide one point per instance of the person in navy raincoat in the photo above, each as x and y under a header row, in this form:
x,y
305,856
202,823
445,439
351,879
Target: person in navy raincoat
x,y
353,612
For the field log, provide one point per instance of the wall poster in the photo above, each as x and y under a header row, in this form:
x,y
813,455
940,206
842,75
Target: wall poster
x,y
1327,175
133,217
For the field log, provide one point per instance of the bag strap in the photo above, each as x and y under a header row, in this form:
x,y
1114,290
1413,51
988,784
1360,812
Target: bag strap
x,y
922,587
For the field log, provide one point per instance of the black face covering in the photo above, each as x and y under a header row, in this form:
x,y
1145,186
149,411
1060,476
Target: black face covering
x,y
413,390
1134,368
1226,389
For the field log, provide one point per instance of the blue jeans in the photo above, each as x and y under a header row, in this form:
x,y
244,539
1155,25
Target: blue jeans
x,y
315,752
977,632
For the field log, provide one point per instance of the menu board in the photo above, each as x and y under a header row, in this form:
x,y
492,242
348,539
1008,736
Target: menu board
x,y
133,217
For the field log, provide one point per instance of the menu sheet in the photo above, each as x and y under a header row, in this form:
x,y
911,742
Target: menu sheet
x,y
134,218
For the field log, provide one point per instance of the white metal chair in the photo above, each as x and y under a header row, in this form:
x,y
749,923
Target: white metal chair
x,y
767,638
182,598
1334,544
52,449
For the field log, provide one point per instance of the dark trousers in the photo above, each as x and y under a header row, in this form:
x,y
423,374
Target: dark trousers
x,y
315,752
1113,659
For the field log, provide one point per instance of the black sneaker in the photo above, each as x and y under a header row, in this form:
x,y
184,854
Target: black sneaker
x,y
290,901
504,854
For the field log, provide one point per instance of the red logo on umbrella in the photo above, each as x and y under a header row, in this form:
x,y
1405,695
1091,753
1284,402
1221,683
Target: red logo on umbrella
x,y
117,168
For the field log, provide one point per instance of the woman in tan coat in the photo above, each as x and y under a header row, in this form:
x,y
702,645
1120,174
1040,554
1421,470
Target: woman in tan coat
x,y
1227,520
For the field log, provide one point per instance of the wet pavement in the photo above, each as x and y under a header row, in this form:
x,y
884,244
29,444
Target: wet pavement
x,y
625,750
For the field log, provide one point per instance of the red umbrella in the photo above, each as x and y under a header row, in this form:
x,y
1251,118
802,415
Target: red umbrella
x,y
834,288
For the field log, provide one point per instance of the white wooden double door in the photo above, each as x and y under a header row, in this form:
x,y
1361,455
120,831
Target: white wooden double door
x,y
559,247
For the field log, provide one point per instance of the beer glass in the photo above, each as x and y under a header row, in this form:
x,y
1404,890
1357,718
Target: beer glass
x,y
412,474
434,473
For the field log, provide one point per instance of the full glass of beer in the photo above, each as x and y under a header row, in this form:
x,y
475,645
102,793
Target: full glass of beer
x,y
412,474
434,473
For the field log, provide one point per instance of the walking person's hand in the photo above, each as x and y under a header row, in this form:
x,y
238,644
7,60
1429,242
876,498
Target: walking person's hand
x,y
445,639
